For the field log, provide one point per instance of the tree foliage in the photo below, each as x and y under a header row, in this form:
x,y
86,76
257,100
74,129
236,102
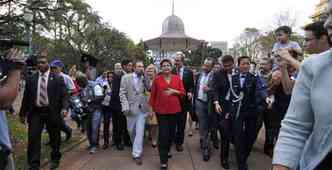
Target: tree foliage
x,y
257,43
197,57
68,28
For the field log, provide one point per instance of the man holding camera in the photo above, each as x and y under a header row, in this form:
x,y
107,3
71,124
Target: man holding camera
x,y
8,92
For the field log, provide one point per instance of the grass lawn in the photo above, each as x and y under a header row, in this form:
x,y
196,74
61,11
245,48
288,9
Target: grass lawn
x,y
19,139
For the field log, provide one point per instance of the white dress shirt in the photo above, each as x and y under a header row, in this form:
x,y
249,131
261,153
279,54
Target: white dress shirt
x,y
181,72
242,79
204,78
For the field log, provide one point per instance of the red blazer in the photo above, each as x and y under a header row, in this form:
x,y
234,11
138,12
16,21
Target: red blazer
x,y
159,101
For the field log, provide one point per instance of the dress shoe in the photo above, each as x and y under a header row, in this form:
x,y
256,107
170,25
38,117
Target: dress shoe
x,y
169,155
68,136
216,144
206,155
119,147
201,144
138,161
34,168
163,167
54,165
243,167
268,152
225,164
179,148
105,146
190,133
128,144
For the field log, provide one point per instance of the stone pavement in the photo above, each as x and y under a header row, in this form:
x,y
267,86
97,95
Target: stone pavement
x,y
190,159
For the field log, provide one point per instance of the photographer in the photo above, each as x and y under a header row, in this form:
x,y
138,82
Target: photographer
x,y
8,92
92,95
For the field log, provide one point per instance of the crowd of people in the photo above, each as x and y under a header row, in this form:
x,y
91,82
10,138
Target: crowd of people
x,y
227,99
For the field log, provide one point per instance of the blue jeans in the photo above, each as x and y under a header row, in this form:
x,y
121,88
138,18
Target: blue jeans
x,y
93,127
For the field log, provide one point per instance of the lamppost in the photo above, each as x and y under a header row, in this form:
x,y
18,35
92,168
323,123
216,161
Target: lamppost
x,y
28,17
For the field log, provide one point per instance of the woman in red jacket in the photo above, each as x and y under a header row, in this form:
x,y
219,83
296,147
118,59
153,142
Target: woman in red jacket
x,y
166,91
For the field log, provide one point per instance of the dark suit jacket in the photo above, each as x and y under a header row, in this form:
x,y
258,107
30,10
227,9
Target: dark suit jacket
x,y
249,104
188,83
56,91
115,103
220,88
196,90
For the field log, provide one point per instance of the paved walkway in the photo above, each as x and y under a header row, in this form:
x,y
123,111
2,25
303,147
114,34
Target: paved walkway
x,y
190,159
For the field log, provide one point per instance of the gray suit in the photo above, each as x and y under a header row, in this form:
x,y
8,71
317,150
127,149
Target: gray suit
x,y
133,99
306,133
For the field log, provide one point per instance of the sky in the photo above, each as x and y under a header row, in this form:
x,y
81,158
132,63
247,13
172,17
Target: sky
x,y
210,20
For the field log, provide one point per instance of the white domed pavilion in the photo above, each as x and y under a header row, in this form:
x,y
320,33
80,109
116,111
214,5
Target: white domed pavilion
x,y
172,39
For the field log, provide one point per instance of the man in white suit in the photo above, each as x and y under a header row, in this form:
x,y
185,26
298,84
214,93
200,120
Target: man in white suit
x,y
134,106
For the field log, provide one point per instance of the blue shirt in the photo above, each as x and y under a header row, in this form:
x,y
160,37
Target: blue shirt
x,y
4,131
290,44
102,81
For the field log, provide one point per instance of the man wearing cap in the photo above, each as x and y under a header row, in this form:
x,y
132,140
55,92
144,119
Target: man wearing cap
x,y
57,67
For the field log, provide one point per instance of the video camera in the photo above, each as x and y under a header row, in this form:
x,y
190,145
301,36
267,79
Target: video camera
x,y
5,64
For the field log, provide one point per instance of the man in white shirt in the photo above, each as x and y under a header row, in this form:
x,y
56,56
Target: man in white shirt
x,y
134,106
201,106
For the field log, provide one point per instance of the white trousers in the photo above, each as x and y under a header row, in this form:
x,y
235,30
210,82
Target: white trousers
x,y
136,125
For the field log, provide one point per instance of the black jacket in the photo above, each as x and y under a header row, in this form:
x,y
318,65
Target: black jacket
x,y
188,83
249,103
115,103
220,88
56,91
196,89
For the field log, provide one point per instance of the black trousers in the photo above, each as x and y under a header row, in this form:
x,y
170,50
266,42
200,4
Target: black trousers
x,y
3,158
37,121
120,131
244,130
107,114
166,126
213,127
181,119
225,129
64,127
270,125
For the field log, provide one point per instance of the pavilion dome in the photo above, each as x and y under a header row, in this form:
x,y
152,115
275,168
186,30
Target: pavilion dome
x,y
173,25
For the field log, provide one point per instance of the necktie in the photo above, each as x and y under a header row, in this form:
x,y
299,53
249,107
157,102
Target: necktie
x,y
43,91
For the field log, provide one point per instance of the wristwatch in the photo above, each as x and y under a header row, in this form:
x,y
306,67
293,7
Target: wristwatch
x,y
215,102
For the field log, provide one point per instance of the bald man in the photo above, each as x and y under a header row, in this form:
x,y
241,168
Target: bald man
x,y
119,121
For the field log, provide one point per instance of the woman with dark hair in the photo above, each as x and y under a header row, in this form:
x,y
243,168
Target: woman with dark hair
x,y
166,91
